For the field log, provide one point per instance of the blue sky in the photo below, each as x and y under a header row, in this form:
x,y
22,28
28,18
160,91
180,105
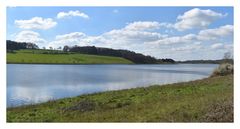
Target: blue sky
x,y
180,33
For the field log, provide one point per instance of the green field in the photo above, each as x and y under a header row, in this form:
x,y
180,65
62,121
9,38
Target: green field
x,y
59,57
206,100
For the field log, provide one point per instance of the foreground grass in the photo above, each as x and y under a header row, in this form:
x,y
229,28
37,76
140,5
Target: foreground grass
x,y
58,57
207,100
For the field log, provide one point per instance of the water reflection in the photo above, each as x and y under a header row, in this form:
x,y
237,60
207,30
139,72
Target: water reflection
x,y
27,84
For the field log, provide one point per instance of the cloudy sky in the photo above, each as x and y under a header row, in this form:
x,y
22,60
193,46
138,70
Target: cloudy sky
x,y
180,33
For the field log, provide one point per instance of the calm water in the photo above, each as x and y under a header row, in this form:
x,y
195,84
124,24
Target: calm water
x,y
28,84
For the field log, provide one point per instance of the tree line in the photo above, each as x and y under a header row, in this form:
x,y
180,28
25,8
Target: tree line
x,y
137,58
12,45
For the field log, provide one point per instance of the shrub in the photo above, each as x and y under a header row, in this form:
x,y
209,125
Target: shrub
x,y
223,69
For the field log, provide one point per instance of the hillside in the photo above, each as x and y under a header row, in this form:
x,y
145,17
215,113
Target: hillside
x,y
35,56
206,100
136,58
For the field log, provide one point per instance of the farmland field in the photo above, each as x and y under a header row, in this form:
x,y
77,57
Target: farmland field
x,y
60,57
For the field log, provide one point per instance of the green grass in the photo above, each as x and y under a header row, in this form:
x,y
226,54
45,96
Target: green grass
x,y
206,100
59,57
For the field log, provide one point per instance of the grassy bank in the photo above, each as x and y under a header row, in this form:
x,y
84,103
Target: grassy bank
x,y
59,57
206,100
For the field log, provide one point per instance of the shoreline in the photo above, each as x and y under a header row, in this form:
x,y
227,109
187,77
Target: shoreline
x,y
102,92
141,86
173,97
107,63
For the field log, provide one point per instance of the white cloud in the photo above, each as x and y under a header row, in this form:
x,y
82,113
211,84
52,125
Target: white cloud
x,y
212,34
73,35
143,25
134,38
74,38
204,35
189,38
222,46
131,35
36,23
217,46
196,18
29,36
190,48
147,25
76,13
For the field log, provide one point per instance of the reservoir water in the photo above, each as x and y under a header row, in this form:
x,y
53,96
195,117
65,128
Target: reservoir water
x,y
31,83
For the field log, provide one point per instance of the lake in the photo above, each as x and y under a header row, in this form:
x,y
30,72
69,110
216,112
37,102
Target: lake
x,y
32,83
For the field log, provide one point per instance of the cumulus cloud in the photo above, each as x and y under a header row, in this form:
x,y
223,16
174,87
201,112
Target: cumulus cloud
x,y
143,25
123,34
76,13
189,38
29,36
191,47
36,23
217,46
222,46
147,25
212,34
73,35
206,35
74,38
196,18
133,34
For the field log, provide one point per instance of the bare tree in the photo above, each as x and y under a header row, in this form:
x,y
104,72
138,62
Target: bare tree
x,y
227,55
227,58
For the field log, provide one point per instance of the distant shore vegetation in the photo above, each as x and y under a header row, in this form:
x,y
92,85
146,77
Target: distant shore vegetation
x,y
137,58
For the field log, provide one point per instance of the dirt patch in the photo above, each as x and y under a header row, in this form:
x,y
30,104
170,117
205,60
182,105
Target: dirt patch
x,y
85,105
